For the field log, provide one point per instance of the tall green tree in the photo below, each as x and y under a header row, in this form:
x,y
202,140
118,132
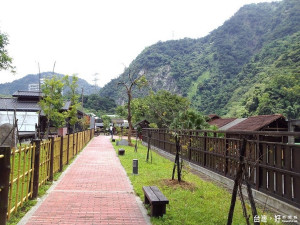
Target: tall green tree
x,y
164,107
52,102
190,119
106,121
5,59
158,108
74,99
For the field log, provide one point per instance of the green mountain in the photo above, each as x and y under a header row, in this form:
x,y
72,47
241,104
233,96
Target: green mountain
x,y
22,84
249,65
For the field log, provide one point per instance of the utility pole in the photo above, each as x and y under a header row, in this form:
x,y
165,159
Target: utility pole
x,y
39,78
95,81
82,98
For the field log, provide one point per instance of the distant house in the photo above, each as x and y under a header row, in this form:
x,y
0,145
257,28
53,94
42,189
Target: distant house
x,y
119,122
220,122
25,105
143,124
276,122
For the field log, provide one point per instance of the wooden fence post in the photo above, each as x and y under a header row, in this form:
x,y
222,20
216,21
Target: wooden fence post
x,y
51,159
190,145
77,144
68,149
61,163
74,145
4,182
226,155
36,172
257,159
204,148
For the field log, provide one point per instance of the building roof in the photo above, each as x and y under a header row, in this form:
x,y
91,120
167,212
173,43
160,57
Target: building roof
x,y
66,105
27,94
118,120
255,123
232,123
14,104
221,122
213,117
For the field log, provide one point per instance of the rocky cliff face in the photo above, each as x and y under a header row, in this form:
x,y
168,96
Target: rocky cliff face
x,y
162,79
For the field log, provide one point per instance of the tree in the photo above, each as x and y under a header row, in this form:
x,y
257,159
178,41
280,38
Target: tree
x,y
190,119
139,81
74,99
164,107
159,108
52,102
106,121
5,60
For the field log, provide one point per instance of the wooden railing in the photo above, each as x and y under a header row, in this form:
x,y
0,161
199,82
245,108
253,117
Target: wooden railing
x,y
25,169
273,164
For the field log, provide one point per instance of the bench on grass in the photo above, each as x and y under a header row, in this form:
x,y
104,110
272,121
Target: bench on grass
x,y
156,199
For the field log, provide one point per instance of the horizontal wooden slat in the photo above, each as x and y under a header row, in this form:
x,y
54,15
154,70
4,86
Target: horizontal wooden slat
x,y
150,194
159,195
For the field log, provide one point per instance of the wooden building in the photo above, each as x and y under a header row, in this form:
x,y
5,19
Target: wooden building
x,y
24,106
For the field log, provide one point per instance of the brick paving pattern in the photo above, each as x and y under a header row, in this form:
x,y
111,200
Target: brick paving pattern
x,y
95,190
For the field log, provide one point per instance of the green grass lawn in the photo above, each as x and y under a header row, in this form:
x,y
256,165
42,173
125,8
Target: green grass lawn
x,y
193,202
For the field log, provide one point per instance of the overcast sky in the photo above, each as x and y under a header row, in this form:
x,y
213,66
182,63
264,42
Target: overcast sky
x,y
95,36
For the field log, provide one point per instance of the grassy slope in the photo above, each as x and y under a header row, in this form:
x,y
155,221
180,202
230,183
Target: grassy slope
x,y
204,203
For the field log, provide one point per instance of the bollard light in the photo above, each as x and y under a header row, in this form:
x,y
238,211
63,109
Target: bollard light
x,y
135,166
121,151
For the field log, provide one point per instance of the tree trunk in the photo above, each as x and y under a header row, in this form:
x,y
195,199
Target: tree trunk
x,y
48,128
129,117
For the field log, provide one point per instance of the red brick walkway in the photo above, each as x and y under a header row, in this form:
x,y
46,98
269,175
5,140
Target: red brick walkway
x,y
95,190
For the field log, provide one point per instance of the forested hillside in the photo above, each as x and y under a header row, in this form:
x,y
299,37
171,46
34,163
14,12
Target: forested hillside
x,y
22,84
249,65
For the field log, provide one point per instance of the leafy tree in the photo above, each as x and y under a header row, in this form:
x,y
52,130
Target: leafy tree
x,y
164,107
122,111
5,59
190,119
52,102
139,81
84,123
159,108
106,121
74,99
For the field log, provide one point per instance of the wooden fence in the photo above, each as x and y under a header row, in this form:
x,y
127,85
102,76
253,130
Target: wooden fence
x,y
273,164
25,169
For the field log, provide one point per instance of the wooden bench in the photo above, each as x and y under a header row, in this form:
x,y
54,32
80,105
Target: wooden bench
x,y
156,199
